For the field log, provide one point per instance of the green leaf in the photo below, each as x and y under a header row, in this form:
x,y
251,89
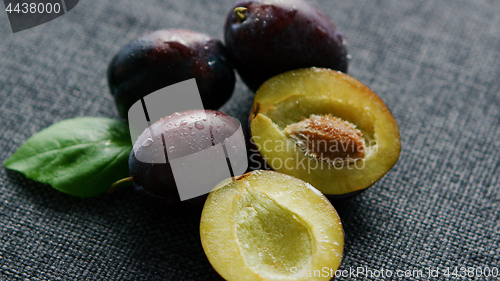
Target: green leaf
x,y
80,156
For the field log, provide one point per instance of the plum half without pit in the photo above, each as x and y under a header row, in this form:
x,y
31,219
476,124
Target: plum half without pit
x,y
165,57
266,225
326,128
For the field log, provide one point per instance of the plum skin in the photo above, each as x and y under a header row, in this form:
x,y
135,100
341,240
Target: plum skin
x,y
155,181
276,37
165,57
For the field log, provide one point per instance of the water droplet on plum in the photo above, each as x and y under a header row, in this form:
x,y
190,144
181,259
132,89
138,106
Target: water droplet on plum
x,y
199,125
147,142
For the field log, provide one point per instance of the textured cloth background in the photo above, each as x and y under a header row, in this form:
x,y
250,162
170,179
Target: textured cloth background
x,y
436,64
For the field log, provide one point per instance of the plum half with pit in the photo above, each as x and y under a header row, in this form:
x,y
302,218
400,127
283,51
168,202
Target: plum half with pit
x,y
266,225
267,37
188,150
326,128
165,57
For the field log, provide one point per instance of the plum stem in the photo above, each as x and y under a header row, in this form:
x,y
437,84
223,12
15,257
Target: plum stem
x,y
241,13
119,183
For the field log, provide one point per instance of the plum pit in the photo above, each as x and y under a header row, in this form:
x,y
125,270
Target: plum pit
x,y
328,138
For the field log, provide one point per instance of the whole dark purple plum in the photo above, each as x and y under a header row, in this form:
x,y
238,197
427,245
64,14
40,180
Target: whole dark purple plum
x,y
268,37
180,135
165,57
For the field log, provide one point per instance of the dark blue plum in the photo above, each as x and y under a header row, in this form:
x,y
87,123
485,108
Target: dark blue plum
x,y
165,57
183,134
274,36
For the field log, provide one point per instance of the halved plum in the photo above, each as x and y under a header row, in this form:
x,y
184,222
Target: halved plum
x,y
266,225
326,128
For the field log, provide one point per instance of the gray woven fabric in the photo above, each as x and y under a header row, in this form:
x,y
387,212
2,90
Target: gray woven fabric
x,y
436,64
